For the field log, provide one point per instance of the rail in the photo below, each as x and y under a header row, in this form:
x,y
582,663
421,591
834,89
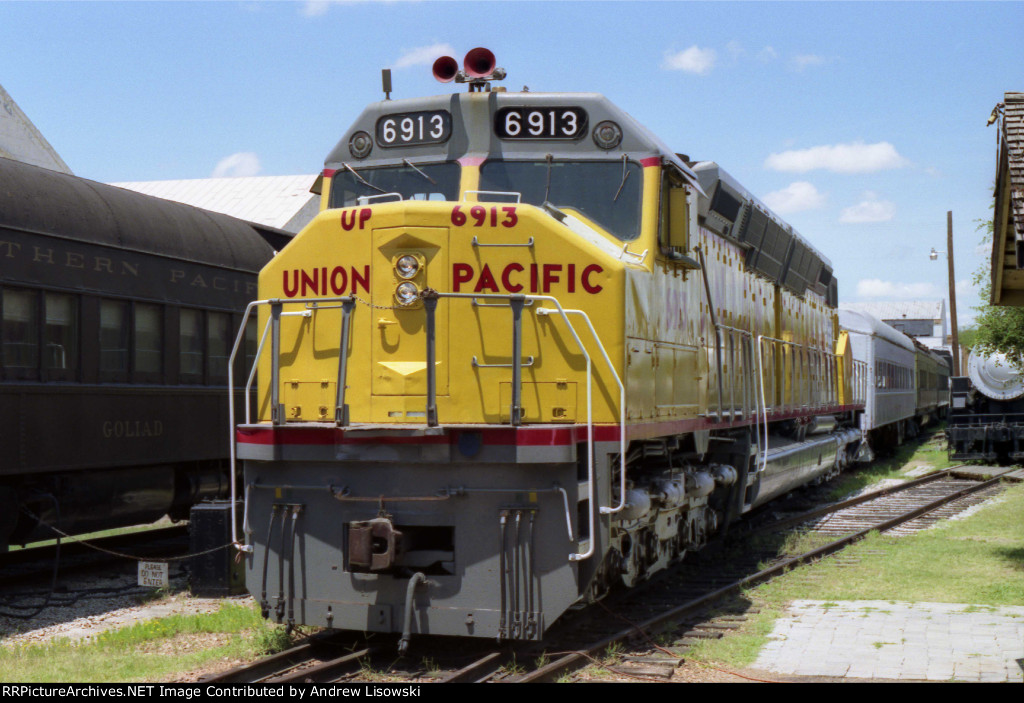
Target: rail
x,y
430,298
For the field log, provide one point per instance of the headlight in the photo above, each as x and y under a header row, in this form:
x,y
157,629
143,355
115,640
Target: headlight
x,y
406,293
360,145
407,266
607,135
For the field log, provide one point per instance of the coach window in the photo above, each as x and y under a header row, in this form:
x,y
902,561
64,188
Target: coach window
x,y
217,346
60,337
114,338
148,355
191,346
20,334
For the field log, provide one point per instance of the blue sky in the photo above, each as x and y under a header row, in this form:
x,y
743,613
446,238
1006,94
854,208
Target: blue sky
x,y
860,123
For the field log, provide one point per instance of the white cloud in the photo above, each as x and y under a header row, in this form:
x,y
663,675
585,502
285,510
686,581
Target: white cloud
x,y
796,197
767,54
802,61
244,163
692,60
315,8
870,209
876,288
966,289
423,55
857,157
735,49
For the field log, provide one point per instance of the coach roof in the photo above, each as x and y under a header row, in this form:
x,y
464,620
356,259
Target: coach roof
x,y
41,201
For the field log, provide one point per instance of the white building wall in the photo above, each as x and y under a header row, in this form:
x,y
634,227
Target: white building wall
x,y
21,141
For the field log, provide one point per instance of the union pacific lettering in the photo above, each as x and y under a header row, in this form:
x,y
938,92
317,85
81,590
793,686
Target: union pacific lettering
x,y
323,281
351,218
533,278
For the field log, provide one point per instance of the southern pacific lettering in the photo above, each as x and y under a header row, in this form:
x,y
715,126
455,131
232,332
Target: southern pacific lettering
x,y
531,278
325,281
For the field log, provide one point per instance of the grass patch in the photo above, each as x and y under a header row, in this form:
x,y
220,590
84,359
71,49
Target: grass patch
x,y
146,651
740,648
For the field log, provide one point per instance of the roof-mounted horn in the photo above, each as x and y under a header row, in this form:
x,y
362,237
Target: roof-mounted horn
x,y
478,69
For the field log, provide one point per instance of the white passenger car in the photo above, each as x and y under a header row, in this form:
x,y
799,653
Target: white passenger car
x,y
891,402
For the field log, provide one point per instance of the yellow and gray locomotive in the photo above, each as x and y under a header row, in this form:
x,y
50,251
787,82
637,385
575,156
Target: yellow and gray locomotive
x,y
525,352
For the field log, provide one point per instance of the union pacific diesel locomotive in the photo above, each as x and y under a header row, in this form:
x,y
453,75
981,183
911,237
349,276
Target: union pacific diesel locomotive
x,y
524,353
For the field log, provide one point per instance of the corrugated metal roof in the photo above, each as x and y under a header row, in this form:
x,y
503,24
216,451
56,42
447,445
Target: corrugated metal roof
x,y
283,202
903,310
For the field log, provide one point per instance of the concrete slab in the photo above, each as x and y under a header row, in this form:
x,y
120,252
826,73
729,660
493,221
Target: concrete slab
x,y
983,473
903,641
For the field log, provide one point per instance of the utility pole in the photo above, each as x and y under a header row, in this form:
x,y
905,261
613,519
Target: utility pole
x,y
952,293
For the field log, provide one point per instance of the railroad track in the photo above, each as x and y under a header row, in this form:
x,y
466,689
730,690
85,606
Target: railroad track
x,y
692,602
330,657
909,506
857,517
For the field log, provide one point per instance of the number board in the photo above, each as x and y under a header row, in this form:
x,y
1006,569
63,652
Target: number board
x,y
406,128
540,122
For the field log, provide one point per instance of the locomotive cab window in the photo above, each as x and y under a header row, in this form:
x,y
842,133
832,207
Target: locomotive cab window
x,y
351,187
608,193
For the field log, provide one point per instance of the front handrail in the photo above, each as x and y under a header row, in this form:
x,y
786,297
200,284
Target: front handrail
x,y
517,302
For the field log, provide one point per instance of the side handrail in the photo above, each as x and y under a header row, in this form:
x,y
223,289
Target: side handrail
x,y
714,322
605,510
746,340
232,458
520,301
816,353
273,328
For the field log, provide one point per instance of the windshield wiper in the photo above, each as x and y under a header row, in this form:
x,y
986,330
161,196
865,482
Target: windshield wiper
x,y
410,165
547,185
625,175
361,179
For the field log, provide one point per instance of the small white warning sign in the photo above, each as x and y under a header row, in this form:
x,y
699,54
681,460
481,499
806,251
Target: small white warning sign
x,y
153,574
